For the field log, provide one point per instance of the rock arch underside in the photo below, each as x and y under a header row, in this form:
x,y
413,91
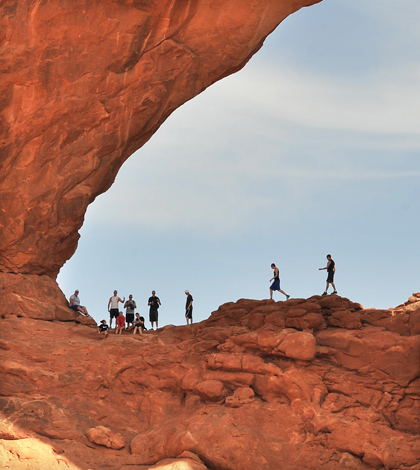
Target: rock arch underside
x,y
318,383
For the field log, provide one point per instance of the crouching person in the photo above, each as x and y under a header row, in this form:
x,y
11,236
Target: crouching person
x,y
103,329
138,324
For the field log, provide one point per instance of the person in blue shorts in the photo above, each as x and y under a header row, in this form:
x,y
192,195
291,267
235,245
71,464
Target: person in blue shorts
x,y
276,283
74,304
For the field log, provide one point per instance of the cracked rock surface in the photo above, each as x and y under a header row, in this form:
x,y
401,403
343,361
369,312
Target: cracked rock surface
x,y
254,386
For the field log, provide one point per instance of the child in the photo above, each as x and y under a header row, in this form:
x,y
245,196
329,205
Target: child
x,y
138,324
103,329
120,323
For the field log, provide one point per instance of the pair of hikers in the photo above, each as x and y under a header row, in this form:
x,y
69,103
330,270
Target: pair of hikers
x,y
275,286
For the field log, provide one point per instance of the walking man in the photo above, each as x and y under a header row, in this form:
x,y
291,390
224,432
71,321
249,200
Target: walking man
x,y
276,283
189,307
154,303
331,271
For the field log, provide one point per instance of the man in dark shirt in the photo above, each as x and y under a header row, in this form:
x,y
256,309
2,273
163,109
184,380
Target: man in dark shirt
x,y
331,271
189,307
154,303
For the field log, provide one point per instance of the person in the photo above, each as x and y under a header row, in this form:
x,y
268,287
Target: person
x,y
330,267
154,303
189,307
138,324
120,321
103,329
74,304
130,306
276,283
113,311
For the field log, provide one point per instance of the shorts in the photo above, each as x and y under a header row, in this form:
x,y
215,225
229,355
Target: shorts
x,y
113,313
74,307
275,285
188,313
330,277
153,316
129,317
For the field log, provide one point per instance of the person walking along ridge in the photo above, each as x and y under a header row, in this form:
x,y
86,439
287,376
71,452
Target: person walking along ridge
x,y
330,267
276,283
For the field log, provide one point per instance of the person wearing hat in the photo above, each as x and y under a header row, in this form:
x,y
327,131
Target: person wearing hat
x,y
74,304
103,329
189,307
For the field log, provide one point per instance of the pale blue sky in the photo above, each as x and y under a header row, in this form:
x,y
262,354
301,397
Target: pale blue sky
x,y
312,148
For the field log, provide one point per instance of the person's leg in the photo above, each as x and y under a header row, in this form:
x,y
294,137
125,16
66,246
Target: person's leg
x,y
335,290
157,324
271,294
284,293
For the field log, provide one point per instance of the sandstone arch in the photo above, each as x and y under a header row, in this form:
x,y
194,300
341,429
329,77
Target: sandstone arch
x,y
87,84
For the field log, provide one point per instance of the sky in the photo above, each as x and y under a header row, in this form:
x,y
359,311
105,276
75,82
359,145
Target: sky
x,y
311,149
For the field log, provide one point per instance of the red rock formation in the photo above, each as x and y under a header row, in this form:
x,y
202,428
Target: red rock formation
x,y
85,84
239,391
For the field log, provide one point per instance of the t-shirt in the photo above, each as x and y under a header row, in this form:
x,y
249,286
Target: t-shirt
x,y
130,306
75,299
154,302
103,327
121,321
189,299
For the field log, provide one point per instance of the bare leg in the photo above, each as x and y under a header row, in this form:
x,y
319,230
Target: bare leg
x,y
271,294
284,293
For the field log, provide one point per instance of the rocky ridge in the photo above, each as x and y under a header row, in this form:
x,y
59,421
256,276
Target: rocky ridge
x,y
317,383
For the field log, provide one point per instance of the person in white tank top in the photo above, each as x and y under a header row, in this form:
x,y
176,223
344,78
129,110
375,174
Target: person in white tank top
x,y
113,307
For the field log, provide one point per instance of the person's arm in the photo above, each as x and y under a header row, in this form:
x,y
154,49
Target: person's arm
x,y
125,305
109,303
158,301
190,305
71,301
326,267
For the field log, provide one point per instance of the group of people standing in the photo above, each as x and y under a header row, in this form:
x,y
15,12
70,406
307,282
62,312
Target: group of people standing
x,y
131,321
275,286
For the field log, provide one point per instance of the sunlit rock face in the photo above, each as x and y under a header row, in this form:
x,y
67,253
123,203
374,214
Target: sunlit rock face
x,y
315,384
85,84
